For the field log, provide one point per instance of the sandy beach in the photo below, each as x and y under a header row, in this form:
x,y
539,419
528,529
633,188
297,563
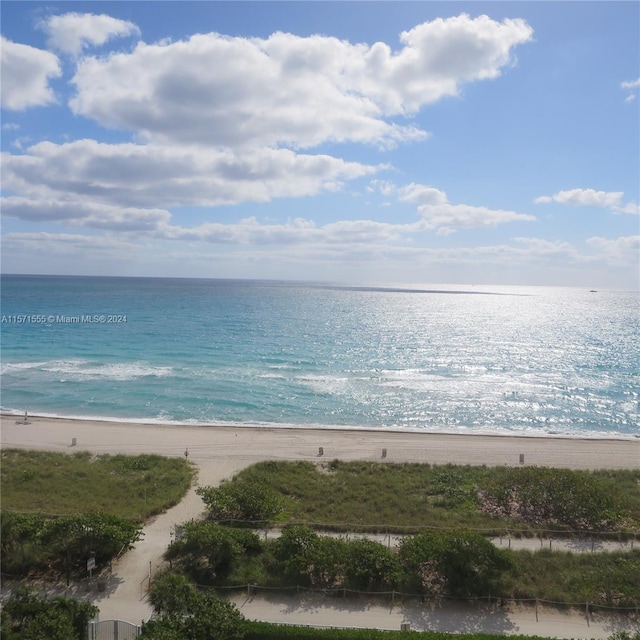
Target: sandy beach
x,y
220,452
230,448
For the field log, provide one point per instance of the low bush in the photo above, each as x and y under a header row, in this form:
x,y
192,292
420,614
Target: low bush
x,y
248,503
268,631
28,616
63,544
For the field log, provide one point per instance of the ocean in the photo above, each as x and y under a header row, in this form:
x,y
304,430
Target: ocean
x,y
476,359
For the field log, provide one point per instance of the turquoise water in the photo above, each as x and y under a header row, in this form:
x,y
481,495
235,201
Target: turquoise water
x,y
476,359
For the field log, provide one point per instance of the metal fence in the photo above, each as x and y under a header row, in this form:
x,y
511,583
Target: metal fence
x,y
113,630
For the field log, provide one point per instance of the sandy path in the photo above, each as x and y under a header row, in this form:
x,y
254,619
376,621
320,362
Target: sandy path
x,y
220,452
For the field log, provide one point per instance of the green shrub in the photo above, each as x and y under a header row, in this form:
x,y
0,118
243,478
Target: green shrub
x,y
242,502
208,550
370,566
457,564
184,613
65,543
269,631
28,616
545,496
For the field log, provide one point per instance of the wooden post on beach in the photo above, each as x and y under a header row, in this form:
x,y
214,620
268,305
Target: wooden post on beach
x,y
74,441
320,451
384,454
522,458
536,609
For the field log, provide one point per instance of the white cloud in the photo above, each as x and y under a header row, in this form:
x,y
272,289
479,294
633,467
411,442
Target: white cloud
x,y
84,214
73,32
438,213
611,200
298,231
634,84
25,73
524,260
422,194
589,197
630,87
548,248
624,250
447,218
131,175
290,90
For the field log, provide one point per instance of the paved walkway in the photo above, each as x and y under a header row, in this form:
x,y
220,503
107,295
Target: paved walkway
x,y
451,618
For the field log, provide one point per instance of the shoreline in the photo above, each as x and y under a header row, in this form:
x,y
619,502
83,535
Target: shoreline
x,y
447,431
238,446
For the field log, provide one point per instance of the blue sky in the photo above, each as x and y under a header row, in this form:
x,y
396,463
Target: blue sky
x,y
399,142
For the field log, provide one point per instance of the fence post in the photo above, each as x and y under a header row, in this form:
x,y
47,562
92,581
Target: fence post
x,y
536,609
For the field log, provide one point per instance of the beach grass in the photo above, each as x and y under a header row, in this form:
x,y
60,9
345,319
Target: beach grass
x,y
562,577
405,498
131,487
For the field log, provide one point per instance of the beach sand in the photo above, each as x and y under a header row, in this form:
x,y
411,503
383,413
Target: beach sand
x,y
225,449
220,452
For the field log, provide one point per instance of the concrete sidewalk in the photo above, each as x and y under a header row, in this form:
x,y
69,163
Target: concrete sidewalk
x,y
322,611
